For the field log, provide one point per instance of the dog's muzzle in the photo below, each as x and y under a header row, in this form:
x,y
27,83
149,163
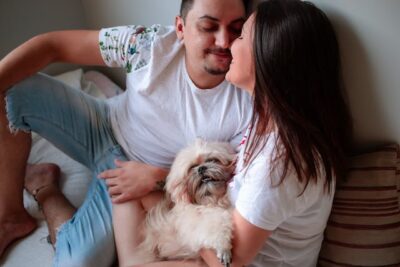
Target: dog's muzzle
x,y
201,170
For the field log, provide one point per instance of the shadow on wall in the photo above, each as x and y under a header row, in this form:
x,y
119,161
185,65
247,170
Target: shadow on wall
x,y
361,85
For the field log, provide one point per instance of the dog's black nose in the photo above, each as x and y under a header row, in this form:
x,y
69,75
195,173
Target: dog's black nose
x,y
201,170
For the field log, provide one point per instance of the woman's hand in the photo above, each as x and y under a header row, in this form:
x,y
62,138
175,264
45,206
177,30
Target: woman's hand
x,y
132,180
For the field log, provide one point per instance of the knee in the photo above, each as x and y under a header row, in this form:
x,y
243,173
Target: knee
x,y
27,99
30,82
38,86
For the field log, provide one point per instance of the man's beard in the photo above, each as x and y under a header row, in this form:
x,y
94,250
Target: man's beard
x,y
217,70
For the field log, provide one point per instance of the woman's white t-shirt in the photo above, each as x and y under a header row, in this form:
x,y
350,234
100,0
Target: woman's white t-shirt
x,y
297,222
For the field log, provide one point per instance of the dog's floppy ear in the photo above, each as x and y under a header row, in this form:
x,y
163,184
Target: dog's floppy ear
x,y
176,190
168,201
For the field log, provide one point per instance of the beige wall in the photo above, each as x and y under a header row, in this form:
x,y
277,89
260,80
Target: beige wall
x,y
369,35
105,13
23,19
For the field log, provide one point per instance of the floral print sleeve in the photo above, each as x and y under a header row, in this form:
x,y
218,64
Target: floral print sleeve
x,y
128,47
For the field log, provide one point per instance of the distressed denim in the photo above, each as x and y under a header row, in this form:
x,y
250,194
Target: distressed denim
x,y
79,125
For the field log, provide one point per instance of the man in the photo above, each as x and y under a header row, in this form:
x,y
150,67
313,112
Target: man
x,y
175,93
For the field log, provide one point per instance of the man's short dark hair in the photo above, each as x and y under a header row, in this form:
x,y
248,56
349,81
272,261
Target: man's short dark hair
x,y
186,6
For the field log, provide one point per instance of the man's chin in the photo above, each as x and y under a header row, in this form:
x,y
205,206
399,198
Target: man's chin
x,y
216,71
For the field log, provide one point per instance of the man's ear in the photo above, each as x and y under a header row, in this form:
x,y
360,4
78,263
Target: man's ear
x,y
179,27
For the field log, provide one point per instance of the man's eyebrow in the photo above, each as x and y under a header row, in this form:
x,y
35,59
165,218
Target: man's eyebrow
x,y
216,19
209,17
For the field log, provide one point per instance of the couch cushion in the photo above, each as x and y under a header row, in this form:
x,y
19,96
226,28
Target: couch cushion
x,y
364,226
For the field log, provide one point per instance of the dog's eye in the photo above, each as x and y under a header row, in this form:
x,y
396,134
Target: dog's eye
x,y
213,160
193,166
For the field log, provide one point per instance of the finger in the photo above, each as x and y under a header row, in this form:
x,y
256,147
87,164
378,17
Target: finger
x,y
111,182
113,197
109,174
104,175
117,199
122,198
114,190
119,163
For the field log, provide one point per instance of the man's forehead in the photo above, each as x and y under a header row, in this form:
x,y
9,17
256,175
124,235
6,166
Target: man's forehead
x,y
218,10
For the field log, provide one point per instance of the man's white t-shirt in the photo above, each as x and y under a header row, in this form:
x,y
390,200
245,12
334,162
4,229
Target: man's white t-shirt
x,y
297,222
162,110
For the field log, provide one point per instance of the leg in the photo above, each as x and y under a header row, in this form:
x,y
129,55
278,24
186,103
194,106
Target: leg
x,y
78,125
128,218
15,222
152,199
88,238
42,182
188,263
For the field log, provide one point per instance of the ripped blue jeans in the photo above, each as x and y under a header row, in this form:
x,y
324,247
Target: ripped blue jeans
x,y
79,125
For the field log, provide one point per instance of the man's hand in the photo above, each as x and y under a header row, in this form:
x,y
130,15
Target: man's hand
x,y
132,180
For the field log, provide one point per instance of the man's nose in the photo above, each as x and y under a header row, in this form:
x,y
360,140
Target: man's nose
x,y
222,39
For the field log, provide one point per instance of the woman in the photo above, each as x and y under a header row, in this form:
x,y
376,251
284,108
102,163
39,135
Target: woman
x,y
296,146
287,58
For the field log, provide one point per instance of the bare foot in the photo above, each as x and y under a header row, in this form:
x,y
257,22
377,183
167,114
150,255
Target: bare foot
x,y
41,179
14,228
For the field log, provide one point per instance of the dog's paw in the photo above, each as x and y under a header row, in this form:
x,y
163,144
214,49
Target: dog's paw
x,y
225,257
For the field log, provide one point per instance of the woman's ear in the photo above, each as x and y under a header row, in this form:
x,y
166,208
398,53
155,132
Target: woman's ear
x,y
179,27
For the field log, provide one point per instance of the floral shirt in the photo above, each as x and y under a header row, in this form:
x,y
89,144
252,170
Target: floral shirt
x,y
125,52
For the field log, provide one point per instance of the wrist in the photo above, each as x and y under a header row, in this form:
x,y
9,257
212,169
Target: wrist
x,y
159,176
159,185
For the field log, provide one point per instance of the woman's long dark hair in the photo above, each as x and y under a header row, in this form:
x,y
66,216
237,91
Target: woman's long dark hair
x,y
299,88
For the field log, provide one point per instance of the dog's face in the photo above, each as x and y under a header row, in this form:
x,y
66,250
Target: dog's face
x,y
200,173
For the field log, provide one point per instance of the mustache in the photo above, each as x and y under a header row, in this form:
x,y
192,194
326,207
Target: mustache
x,y
223,51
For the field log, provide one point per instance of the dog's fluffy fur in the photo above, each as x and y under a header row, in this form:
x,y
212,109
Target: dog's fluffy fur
x,y
195,212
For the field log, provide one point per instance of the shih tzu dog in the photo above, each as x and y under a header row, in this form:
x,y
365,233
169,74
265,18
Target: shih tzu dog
x,y
195,212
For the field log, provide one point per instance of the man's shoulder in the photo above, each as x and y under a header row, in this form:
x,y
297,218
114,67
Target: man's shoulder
x,y
139,32
165,34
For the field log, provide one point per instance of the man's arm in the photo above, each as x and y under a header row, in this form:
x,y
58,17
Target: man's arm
x,y
133,180
77,47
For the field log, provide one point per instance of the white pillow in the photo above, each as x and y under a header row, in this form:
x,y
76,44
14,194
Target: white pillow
x,y
72,78
103,83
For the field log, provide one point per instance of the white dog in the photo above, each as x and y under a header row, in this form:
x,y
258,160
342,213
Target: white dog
x,y
195,212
